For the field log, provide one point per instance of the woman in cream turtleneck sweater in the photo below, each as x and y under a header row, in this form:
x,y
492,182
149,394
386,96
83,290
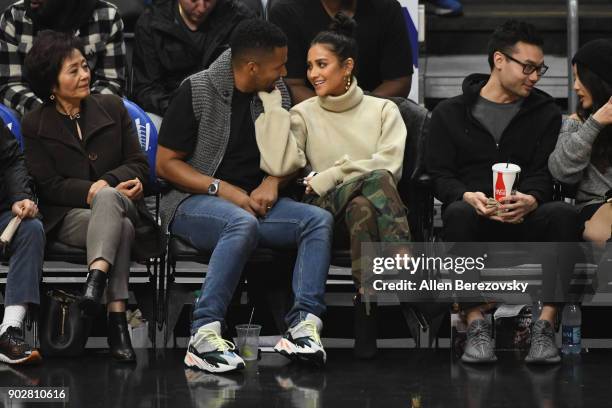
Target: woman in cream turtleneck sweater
x,y
354,143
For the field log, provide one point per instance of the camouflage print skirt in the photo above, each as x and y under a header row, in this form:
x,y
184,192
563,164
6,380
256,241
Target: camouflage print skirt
x,y
370,209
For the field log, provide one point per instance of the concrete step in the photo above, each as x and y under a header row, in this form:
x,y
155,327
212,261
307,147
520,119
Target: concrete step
x,y
469,34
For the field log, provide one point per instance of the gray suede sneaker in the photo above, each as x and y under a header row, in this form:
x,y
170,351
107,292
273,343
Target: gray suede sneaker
x,y
543,349
479,347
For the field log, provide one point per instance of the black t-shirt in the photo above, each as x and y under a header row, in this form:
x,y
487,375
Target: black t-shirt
x,y
197,37
240,163
382,38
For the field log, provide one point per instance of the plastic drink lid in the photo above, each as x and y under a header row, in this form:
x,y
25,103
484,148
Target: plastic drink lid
x,y
506,168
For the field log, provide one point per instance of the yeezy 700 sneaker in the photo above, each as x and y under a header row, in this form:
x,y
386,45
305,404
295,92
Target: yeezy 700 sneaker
x,y
208,351
302,342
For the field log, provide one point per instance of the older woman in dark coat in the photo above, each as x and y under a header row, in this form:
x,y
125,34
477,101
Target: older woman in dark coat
x,y
86,160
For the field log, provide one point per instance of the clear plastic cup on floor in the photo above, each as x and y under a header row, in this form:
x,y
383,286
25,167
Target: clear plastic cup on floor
x,y
248,341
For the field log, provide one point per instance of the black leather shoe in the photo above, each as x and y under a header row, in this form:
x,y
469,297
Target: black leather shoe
x,y
366,330
119,338
93,291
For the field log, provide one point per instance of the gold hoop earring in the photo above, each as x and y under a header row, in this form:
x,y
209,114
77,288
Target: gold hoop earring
x,y
348,83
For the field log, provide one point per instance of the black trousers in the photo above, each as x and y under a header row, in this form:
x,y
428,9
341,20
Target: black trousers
x,y
556,222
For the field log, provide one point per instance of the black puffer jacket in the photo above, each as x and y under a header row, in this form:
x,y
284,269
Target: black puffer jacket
x,y
164,55
461,151
15,182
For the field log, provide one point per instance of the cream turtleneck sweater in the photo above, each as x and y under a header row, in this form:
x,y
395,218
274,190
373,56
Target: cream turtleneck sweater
x,y
342,137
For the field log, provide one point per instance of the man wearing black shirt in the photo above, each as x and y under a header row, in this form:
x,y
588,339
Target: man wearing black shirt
x,y
240,163
177,38
223,202
385,56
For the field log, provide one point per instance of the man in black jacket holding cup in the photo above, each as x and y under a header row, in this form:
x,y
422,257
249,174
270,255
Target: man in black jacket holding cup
x,y
503,118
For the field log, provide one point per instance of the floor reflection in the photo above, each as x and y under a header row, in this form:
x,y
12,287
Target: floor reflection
x,y
545,386
213,391
399,378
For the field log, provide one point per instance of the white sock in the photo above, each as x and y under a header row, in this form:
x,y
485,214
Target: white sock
x,y
13,317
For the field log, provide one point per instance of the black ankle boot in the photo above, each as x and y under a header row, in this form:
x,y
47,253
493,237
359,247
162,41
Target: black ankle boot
x,y
119,338
366,330
93,291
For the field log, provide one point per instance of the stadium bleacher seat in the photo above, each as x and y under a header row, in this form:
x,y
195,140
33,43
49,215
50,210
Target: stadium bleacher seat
x,y
11,121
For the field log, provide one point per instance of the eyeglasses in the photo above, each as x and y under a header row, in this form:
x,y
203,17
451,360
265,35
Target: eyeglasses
x,y
529,69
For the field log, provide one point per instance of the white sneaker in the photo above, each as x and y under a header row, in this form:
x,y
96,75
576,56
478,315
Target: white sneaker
x,y
210,352
302,341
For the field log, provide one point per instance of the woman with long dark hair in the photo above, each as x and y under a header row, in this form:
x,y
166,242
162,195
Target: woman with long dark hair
x,y
583,156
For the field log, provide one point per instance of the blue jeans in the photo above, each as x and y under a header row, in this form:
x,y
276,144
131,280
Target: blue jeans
x,y
208,223
26,250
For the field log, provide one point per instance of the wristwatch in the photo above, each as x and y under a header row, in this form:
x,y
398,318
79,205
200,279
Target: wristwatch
x,y
213,188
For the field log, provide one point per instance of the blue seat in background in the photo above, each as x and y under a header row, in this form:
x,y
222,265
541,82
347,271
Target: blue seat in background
x,y
147,135
12,122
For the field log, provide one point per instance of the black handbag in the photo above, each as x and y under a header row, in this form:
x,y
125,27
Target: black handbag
x,y
64,330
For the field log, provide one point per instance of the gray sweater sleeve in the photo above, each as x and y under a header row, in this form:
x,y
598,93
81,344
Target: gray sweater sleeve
x,y
573,151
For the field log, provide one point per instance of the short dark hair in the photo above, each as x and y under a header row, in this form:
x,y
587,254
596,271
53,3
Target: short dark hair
x,y
255,34
505,37
43,63
340,37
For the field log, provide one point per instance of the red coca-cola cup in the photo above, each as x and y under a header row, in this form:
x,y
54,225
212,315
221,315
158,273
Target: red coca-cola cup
x,y
505,177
